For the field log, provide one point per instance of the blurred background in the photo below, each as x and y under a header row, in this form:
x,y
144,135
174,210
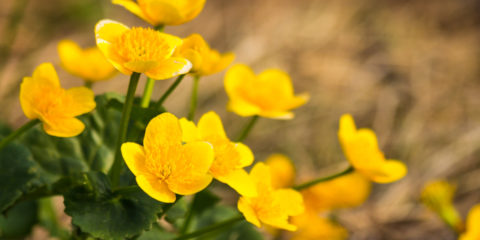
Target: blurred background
x,y
407,69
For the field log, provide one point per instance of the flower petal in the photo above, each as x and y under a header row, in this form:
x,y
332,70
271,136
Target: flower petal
x,y
108,30
70,54
245,154
472,222
82,101
243,108
63,127
291,201
347,127
28,92
246,209
282,170
260,173
236,80
134,156
156,189
189,131
390,171
164,129
161,12
170,67
133,8
45,74
240,181
210,124
191,170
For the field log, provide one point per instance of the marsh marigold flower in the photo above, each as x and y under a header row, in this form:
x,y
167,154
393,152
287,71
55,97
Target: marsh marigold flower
x,y
473,225
282,170
272,206
164,165
205,61
438,197
163,12
362,151
141,50
89,64
269,94
42,97
315,227
230,157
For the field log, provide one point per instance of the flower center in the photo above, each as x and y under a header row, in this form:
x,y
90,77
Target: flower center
x,y
226,156
52,102
161,161
143,44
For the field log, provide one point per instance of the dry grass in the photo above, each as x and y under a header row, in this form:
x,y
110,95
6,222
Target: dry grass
x,y
407,69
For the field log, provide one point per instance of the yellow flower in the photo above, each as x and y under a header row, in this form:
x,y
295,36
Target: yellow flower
x,y
42,97
88,64
347,191
163,12
361,149
315,227
164,166
272,206
473,225
282,170
205,61
141,50
438,196
269,94
230,158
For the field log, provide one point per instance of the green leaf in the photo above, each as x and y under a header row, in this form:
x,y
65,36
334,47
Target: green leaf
x,y
17,175
204,200
107,214
18,221
157,233
177,211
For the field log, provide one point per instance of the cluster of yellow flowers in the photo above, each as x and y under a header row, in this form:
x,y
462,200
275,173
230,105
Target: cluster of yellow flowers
x,y
181,157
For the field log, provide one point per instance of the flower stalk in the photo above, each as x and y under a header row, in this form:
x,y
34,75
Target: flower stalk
x,y
324,179
117,166
194,97
211,228
246,130
30,124
169,91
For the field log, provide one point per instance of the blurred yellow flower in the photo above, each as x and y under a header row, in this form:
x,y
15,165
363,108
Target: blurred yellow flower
x,y
315,227
141,50
89,64
163,12
270,94
438,197
347,191
282,170
164,165
361,149
42,97
205,61
272,207
473,225
230,157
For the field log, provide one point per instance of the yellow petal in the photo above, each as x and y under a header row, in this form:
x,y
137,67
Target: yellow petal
x,y
28,92
189,130
390,171
170,67
191,171
291,201
245,155
45,74
235,80
280,82
347,127
156,189
108,30
282,170
82,101
243,108
223,62
282,115
141,66
134,156
164,129
70,55
260,173
240,181
473,227
133,8
281,223
210,124
161,12
193,9
63,127
246,209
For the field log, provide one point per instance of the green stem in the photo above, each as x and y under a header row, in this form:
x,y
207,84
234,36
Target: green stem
x,y
324,179
160,27
189,217
169,91
193,101
211,228
168,206
49,220
88,84
117,166
147,93
246,130
18,132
